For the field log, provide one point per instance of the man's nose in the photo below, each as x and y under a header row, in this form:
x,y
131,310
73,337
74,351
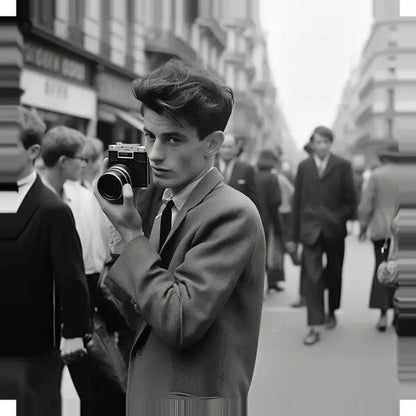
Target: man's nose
x,y
156,151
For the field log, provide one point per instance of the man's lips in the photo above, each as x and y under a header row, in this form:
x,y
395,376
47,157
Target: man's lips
x,y
160,170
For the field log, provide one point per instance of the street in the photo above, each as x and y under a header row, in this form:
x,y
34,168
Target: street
x,y
352,371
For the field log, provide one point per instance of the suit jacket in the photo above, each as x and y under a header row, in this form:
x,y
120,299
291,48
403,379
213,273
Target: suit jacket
x,y
200,299
379,200
270,198
322,205
42,282
243,178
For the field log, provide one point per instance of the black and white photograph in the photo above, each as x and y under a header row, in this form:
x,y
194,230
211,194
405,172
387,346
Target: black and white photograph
x,y
208,208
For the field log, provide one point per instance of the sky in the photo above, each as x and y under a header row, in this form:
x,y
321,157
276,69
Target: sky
x,y
313,45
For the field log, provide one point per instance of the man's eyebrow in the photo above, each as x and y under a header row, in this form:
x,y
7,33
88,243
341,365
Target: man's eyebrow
x,y
173,133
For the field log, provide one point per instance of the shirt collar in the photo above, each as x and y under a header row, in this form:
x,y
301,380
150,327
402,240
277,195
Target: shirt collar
x,y
322,162
27,180
181,197
65,195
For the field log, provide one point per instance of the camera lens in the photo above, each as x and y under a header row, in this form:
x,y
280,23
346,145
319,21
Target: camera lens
x,y
110,184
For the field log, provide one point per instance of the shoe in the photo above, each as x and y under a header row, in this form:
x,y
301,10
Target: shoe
x,y
275,287
299,304
382,323
312,337
331,323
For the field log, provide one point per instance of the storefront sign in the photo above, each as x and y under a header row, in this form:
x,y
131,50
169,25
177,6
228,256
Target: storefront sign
x,y
56,62
116,91
55,94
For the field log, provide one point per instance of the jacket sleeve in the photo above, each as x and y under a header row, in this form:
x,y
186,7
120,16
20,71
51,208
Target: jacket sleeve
x,y
348,193
296,205
366,206
180,306
68,266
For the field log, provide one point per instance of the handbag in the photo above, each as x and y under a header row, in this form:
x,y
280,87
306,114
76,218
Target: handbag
x,y
388,271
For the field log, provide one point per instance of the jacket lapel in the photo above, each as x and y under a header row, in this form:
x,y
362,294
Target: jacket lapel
x,y
313,168
329,167
12,225
207,184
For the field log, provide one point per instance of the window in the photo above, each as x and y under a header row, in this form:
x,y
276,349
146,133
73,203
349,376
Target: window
x,y
44,13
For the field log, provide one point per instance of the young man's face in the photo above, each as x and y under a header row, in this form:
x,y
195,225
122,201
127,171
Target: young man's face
x,y
176,154
228,149
321,146
73,166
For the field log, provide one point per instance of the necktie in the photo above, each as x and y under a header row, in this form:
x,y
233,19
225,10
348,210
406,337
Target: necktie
x,y
166,222
321,169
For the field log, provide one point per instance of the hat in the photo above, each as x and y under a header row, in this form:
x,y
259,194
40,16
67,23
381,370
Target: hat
x,y
390,151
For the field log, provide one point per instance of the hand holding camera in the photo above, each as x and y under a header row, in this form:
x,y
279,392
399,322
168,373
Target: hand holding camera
x,y
126,168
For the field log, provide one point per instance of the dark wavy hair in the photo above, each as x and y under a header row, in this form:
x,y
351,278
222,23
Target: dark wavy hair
x,y
181,90
323,131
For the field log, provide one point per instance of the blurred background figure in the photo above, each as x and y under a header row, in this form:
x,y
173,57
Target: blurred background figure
x,y
323,202
94,155
238,174
358,163
269,197
375,213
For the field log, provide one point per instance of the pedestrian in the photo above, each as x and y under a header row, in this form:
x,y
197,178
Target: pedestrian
x,y
66,153
301,301
43,287
238,174
376,211
197,283
269,197
323,202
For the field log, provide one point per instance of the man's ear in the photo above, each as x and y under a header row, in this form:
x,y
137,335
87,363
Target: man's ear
x,y
34,151
213,143
61,161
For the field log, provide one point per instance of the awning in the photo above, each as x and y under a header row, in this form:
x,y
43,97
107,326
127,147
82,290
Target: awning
x,y
133,119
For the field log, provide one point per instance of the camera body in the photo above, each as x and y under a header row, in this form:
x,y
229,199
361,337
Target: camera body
x,y
127,163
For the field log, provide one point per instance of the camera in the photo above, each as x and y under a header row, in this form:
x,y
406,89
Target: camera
x,y
127,163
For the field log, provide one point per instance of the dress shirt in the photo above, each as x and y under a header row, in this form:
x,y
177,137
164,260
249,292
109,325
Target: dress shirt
x,y
321,164
226,169
90,223
11,200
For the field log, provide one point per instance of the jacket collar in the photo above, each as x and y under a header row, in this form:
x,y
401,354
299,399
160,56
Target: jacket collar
x,y
329,167
204,187
12,225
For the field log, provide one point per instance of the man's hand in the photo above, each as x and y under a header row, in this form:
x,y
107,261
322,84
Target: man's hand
x,y
72,349
125,217
292,248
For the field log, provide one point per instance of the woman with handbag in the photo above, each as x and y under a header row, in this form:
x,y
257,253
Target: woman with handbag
x,y
376,212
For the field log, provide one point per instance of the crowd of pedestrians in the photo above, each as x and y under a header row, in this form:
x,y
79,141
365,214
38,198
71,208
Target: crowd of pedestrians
x,y
170,283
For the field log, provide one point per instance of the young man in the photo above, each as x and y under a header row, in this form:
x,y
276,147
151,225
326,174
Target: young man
x,y
323,202
42,285
239,175
197,284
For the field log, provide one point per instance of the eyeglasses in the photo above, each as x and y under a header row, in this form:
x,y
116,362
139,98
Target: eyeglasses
x,y
82,159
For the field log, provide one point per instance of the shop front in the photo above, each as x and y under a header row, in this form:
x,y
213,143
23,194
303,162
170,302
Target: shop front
x,y
119,117
59,85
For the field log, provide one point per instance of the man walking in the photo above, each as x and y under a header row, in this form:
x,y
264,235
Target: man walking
x,y
238,174
323,202
197,284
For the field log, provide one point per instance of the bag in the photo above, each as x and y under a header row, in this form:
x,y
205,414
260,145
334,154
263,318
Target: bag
x,y
388,271
105,357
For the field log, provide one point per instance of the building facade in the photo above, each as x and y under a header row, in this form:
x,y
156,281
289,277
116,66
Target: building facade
x,y
79,57
379,104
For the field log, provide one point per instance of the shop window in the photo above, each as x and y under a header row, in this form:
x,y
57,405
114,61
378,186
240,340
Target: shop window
x,y
44,13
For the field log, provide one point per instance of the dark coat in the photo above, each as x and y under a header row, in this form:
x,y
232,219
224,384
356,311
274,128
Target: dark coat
x,y
42,281
323,205
243,178
200,299
269,197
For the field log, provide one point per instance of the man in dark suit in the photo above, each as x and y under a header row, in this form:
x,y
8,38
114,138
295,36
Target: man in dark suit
x,y
238,174
42,285
323,202
195,287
